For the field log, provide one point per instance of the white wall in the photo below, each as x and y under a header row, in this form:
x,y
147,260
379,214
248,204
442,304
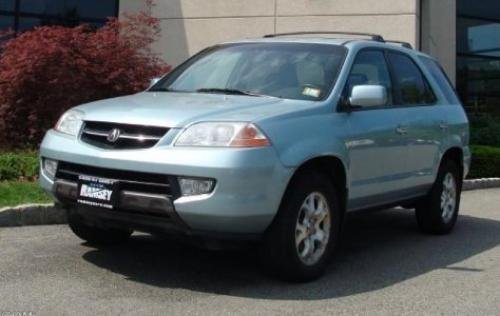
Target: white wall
x,y
439,32
191,25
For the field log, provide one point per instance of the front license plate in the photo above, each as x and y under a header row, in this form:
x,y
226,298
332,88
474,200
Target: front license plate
x,y
97,192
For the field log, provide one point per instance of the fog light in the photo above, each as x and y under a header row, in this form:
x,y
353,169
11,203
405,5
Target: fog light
x,y
50,168
195,186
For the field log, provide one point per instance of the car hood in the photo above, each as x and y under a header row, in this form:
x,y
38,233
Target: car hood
x,y
178,109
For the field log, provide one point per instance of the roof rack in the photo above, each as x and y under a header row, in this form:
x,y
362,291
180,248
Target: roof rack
x,y
373,37
404,44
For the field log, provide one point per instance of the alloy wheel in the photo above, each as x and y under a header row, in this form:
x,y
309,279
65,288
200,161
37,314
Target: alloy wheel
x,y
312,230
448,197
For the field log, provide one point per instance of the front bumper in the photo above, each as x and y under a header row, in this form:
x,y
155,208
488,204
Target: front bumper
x,y
249,182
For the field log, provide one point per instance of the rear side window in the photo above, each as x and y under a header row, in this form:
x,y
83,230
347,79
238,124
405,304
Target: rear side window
x,y
410,86
370,68
442,80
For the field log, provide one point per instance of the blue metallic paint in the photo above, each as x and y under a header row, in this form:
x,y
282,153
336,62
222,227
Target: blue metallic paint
x,y
381,165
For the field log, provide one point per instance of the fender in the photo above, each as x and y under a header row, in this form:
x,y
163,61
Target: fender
x,y
299,139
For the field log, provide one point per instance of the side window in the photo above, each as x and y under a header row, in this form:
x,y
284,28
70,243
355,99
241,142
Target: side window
x,y
370,68
441,79
411,88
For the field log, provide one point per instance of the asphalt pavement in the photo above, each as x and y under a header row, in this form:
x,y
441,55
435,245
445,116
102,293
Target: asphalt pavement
x,y
385,266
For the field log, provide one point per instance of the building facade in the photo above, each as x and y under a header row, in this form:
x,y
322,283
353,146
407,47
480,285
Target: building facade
x,y
462,34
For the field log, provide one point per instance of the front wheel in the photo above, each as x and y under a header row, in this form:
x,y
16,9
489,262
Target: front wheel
x,y
438,212
305,231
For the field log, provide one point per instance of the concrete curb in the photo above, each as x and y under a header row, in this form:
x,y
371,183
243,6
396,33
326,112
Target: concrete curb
x,y
32,214
50,214
484,183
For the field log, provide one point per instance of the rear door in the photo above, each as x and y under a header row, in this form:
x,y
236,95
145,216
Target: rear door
x,y
426,120
377,137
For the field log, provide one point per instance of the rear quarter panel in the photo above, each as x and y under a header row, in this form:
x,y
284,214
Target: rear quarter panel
x,y
458,134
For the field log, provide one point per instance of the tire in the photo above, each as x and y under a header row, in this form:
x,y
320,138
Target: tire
x,y
437,213
284,250
96,235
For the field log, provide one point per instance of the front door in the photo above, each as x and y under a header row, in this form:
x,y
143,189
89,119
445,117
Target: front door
x,y
377,138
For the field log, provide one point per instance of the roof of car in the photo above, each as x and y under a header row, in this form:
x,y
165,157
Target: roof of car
x,y
343,41
297,39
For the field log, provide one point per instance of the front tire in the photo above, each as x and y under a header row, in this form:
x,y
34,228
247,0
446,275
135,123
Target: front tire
x,y
96,235
305,232
438,212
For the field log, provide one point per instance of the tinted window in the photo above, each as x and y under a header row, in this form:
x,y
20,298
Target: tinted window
x,y
94,9
486,9
283,70
477,36
31,13
478,55
370,68
410,85
6,23
7,5
441,79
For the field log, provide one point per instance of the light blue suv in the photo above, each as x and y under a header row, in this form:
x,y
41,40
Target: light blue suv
x,y
271,140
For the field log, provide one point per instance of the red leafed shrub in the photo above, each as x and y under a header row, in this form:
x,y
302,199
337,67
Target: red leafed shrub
x,y
52,68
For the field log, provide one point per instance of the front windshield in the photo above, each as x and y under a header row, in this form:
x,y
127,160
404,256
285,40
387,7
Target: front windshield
x,y
284,70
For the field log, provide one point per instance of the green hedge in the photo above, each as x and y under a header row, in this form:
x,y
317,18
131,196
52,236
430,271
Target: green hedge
x,y
485,162
19,165
485,131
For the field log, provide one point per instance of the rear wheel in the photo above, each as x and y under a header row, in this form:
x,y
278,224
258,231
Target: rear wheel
x,y
305,231
96,235
438,212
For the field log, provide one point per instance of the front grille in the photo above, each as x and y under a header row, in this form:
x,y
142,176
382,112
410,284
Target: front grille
x,y
127,180
121,136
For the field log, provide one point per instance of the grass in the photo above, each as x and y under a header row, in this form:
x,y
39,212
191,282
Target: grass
x,y
15,193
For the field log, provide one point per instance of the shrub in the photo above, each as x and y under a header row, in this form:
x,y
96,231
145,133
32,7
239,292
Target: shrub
x,y
45,71
19,166
485,131
485,162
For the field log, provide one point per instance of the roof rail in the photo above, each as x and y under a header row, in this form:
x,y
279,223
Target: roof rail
x,y
373,37
404,44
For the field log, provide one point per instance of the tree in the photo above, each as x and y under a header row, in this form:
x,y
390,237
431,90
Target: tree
x,y
50,69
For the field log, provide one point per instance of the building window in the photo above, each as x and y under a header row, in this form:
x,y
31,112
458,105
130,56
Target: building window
x,y
478,55
21,15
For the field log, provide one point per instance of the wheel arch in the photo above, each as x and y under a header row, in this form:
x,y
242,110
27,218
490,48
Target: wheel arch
x,y
335,170
456,155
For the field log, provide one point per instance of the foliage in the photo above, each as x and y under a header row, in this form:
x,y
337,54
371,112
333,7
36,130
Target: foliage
x,y
15,193
485,162
18,166
485,131
50,69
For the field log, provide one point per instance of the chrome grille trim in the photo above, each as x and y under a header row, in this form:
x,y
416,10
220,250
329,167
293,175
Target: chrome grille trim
x,y
127,136
123,135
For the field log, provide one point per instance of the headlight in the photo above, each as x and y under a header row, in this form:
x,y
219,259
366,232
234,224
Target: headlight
x,y
70,122
222,134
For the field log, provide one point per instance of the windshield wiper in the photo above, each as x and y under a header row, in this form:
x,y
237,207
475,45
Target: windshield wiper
x,y
228,91
161,89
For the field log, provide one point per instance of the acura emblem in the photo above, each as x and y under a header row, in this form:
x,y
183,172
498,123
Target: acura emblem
x,y
113,135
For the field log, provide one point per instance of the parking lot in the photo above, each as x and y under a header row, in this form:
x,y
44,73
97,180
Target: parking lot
x,y
385,266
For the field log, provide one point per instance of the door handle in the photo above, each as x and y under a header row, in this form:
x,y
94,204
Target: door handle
x,y
443,125
402,129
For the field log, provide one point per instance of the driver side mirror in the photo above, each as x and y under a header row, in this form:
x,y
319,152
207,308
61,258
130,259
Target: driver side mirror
x,y
368,96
